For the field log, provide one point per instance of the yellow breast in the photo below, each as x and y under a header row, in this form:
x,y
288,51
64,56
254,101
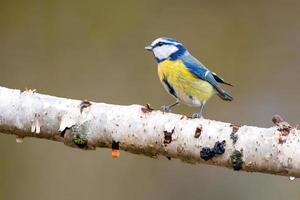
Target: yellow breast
x,y
187,87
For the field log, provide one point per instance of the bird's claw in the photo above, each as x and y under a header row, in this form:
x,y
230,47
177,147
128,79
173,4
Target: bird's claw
x,y
165,108
197,115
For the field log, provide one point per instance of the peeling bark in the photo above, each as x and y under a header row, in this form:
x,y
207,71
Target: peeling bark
x,y
142,130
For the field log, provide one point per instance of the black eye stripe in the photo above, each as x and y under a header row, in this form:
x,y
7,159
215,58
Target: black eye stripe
x,y
165,43
159,44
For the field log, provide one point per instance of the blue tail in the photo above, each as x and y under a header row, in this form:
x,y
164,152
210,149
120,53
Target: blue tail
x,y
224,95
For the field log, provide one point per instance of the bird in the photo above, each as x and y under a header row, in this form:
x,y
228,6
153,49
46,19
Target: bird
x,y
185,77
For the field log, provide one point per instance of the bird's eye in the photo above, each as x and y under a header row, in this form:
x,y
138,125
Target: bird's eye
x,y
160,44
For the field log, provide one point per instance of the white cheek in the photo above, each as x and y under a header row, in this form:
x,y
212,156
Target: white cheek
x,y
164,51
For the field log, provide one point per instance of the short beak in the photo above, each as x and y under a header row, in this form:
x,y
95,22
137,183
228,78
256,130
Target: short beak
x,y
148,48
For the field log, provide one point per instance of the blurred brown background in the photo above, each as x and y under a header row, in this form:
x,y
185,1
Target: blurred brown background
x,y
94,50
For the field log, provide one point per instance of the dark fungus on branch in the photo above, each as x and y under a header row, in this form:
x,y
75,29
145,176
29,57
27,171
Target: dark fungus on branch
x,y
198,131
235,128
283,127
147,108
84,104
208,153
168,136
276,119
115,149
233,135
115,145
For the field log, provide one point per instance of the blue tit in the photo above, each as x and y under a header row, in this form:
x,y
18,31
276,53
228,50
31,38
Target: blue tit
x,y
185,77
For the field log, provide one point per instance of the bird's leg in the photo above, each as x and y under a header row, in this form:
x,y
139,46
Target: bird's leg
x,y
167,108
199,114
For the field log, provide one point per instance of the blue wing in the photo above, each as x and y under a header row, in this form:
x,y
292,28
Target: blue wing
x,y
199,70
220,80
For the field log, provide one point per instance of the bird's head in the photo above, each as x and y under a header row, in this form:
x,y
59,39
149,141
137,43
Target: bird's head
x,y
166,48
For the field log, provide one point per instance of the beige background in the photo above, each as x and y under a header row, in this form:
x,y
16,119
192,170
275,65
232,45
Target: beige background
x,y
94,50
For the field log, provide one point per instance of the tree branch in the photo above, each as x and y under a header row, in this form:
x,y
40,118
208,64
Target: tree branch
x,y
141,130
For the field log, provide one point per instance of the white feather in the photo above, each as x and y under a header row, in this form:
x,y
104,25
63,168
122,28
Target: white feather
x,y
163,52
206,73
